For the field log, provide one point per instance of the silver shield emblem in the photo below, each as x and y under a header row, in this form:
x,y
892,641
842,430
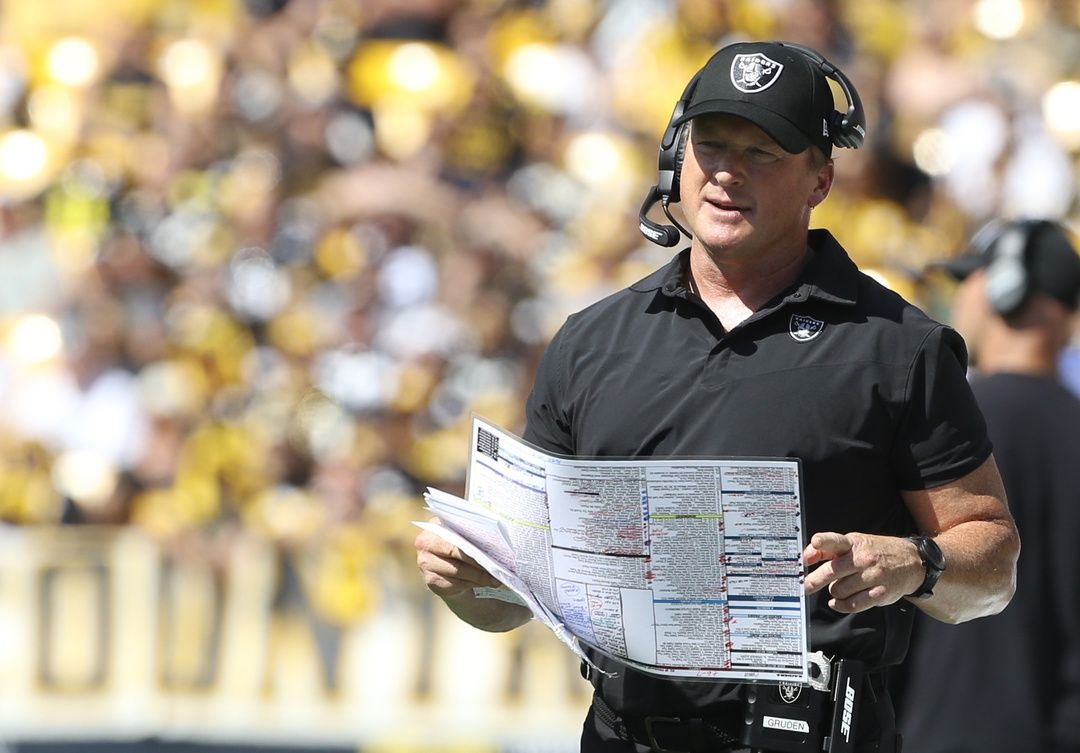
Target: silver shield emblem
x,y
754,73
805,328
790,692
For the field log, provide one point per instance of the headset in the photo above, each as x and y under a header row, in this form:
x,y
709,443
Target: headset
x,y
1008,282
846,129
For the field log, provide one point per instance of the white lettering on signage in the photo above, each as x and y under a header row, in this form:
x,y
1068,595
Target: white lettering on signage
x,y
789,725
849,709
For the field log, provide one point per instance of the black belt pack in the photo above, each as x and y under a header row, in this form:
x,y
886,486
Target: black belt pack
x,y
784,718
793,718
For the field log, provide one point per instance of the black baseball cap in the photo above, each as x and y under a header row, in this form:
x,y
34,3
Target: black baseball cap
x,y
1050,259
775,87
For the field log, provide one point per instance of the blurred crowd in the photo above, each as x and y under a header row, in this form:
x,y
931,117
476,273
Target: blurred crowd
x,y
261,260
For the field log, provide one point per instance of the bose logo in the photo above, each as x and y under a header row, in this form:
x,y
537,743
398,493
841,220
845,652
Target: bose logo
x,y
849,709
788,725
656,235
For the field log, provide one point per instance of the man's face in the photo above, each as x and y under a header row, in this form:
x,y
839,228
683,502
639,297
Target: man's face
x,y
971,311
742,194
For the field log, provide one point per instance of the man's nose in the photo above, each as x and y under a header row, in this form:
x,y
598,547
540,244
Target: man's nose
x,y
728,169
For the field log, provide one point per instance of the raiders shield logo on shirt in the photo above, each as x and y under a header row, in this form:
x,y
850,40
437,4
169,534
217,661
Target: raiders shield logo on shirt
x,y
805,328
754,73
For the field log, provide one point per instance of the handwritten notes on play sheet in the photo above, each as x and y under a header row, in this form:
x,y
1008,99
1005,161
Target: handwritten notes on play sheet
x,y
679,567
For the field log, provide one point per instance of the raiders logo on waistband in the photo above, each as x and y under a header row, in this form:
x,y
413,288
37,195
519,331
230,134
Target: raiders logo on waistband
x,y
805,328
790,691
754,73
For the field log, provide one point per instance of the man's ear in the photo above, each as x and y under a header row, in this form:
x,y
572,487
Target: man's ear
x,y
824,185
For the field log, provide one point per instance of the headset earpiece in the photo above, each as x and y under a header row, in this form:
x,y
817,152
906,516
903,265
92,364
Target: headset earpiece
x,y
678,152
846,129
673,147
1007,279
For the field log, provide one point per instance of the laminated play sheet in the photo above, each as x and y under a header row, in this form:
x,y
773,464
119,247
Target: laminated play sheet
x,y
682,567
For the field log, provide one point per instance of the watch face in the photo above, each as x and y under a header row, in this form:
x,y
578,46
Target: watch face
x,y
933,561
930,552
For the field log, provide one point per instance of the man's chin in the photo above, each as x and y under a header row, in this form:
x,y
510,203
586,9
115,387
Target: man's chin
x,y
724,241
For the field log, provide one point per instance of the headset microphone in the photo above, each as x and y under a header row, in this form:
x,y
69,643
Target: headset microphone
x,y
666,190
664,235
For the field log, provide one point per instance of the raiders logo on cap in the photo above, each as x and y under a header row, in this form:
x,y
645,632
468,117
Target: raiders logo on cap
x,y
755,72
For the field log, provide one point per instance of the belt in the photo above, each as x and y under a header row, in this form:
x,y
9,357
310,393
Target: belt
x,y
669,734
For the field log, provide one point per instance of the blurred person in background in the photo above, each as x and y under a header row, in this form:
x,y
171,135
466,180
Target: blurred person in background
x,y
759,317
1012,682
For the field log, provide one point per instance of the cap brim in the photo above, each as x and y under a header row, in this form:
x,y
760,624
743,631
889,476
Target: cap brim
x,y
780,129
960,267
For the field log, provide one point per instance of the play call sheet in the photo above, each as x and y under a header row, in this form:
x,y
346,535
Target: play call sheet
x,y
679,567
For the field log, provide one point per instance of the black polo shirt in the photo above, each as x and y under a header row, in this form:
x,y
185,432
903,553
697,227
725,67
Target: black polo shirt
x,y
838,371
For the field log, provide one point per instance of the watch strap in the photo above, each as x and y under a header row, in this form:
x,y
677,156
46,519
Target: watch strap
x,y
934,563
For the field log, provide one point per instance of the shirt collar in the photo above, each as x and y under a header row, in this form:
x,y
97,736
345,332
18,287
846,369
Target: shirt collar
x,y
830,275
670,278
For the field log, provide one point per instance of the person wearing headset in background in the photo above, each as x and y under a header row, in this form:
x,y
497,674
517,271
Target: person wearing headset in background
x,y
762,338
1012,682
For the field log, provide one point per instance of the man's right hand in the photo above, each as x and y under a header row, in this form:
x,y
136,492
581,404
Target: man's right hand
x,y
448,571
452,575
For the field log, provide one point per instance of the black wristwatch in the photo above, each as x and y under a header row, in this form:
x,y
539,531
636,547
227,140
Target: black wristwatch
x,y
934,561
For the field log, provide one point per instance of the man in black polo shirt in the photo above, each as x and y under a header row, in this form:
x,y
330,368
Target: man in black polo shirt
x,y
762,338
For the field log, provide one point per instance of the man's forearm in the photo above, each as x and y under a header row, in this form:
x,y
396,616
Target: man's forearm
x,y
980,578
969,519
492,615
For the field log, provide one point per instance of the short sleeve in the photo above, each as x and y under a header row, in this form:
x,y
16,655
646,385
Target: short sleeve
x,y
547,418
942,435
